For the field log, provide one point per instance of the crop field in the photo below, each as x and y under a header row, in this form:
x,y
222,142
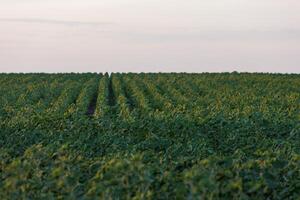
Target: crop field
x,y
150,136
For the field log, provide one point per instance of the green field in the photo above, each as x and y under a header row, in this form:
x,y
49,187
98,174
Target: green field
x,y
150,136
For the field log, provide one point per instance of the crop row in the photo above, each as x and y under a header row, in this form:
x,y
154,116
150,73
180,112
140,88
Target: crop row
x,y
149,136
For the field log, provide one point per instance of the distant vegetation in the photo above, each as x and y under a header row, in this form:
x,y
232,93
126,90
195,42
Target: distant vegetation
x,y
149,136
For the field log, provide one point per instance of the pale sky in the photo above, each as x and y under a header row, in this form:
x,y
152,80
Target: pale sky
x,y
150,35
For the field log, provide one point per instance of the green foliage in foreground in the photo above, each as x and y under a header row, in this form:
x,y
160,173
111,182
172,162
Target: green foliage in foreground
x,y
149,136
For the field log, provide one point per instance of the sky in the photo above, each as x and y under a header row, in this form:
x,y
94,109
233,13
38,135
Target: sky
x,y
150,36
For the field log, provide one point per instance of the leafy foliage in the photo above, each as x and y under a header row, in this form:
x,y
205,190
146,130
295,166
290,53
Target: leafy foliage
x,y
150,136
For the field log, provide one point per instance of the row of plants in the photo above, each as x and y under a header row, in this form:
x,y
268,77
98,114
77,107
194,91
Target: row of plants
x,y
150,136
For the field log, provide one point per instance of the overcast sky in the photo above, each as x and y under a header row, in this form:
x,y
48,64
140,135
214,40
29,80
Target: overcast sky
x,y
150,35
